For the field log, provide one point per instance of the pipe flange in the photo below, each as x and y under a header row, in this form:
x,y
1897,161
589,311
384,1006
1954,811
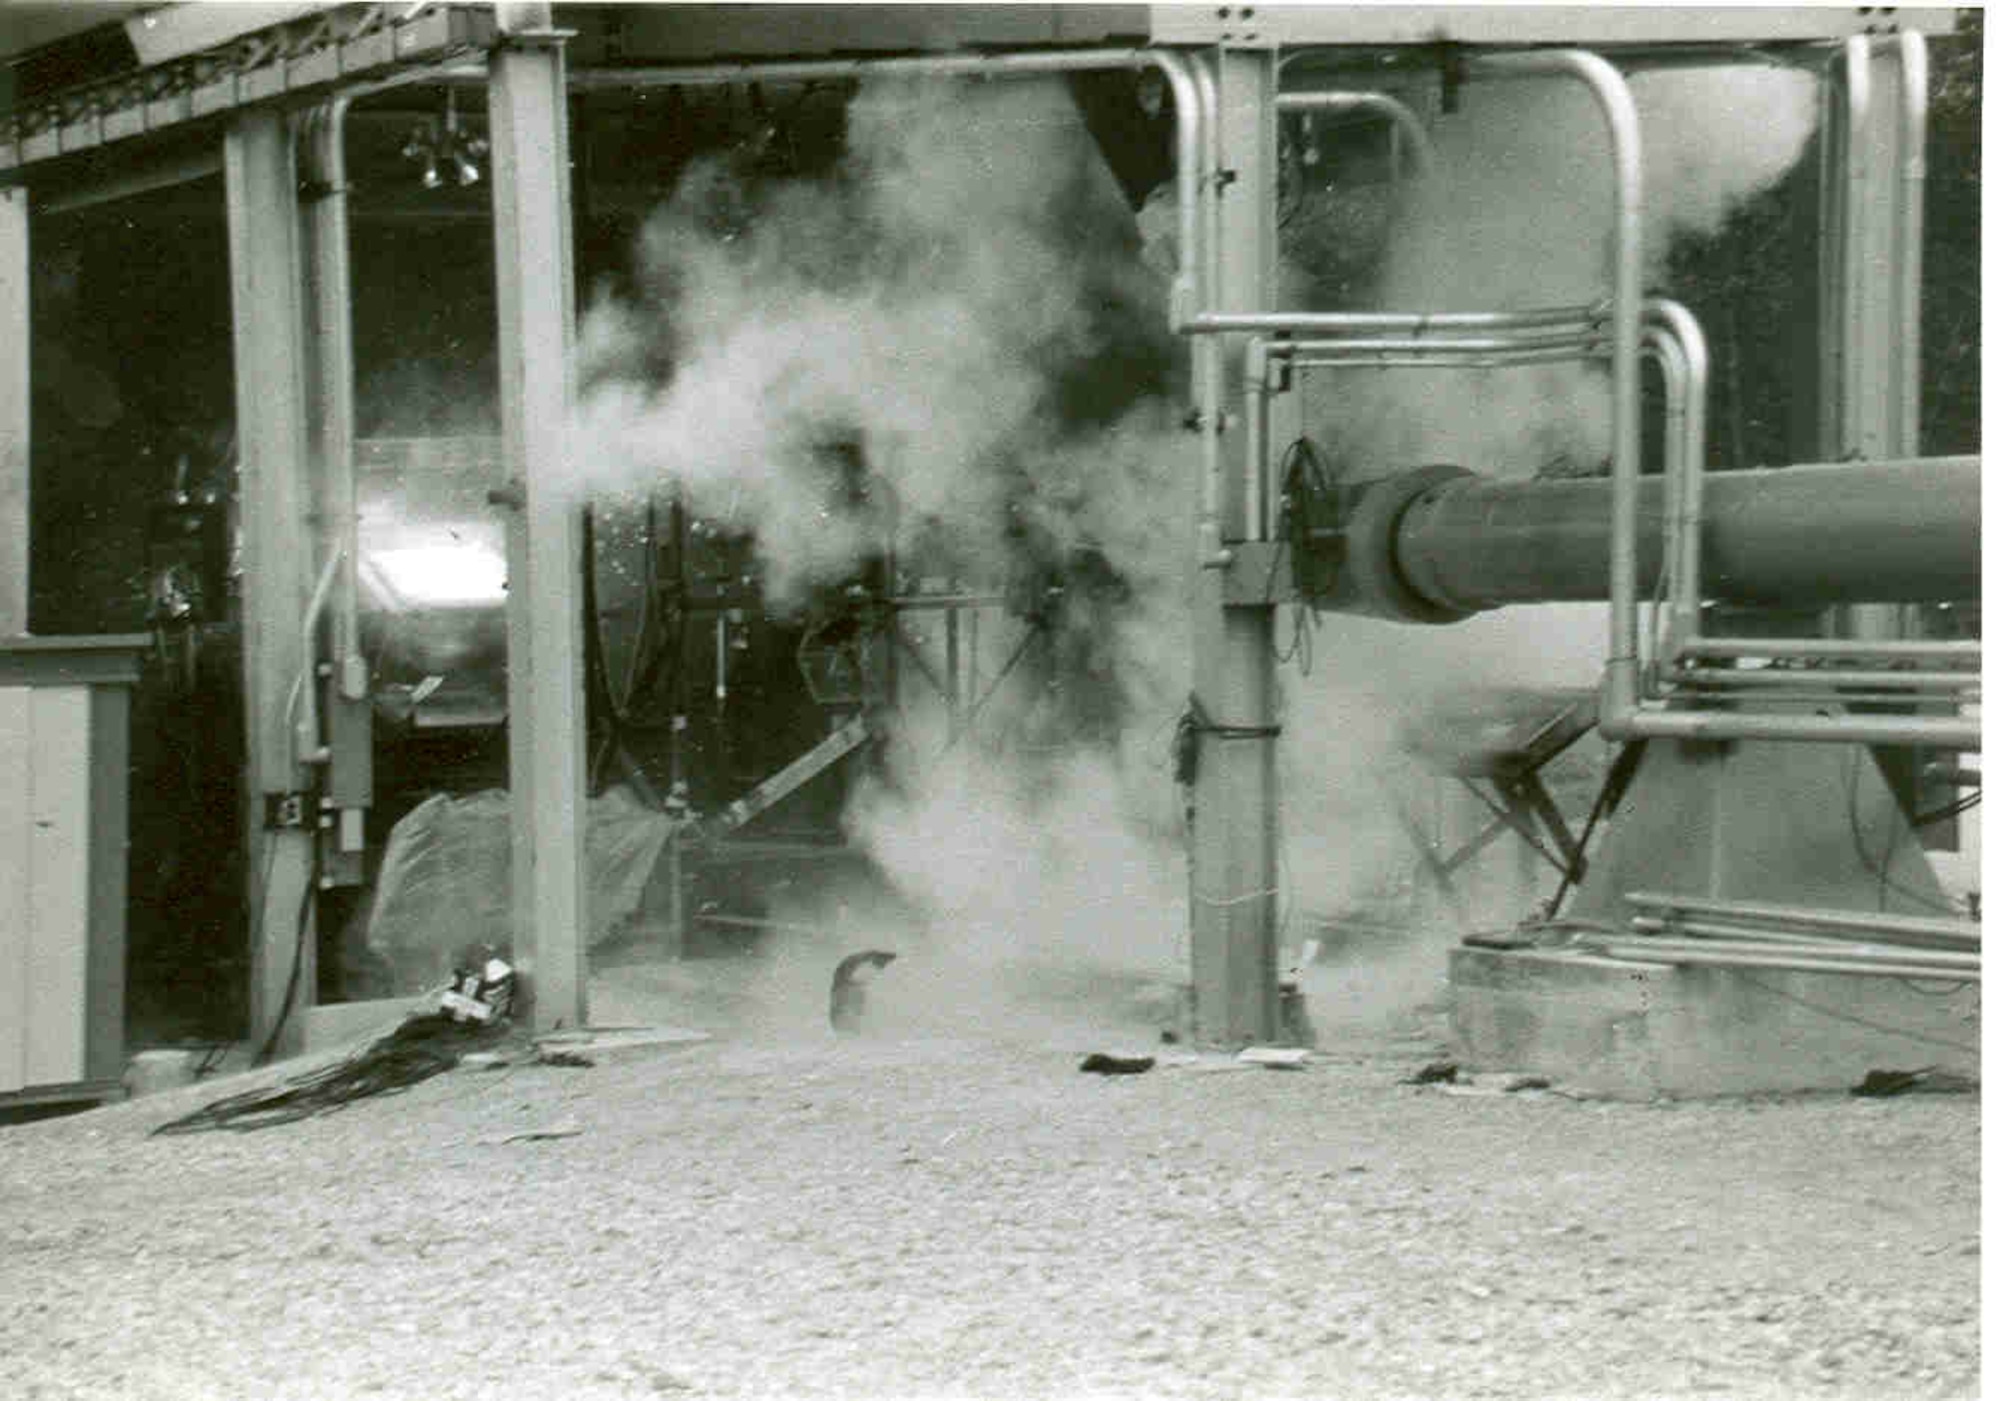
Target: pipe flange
x,y
1371,569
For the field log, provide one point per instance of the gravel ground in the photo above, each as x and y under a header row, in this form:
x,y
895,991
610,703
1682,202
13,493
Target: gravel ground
x,y
930,1212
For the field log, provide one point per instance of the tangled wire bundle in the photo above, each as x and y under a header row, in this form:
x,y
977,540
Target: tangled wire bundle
x,y
424,1045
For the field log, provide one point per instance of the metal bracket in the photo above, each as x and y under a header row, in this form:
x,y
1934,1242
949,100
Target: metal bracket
x,y
288,811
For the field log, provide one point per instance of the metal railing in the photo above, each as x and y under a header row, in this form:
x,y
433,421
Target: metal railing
x,y
1703,932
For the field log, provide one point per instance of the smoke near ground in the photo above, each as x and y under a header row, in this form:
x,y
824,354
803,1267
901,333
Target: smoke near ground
x,y
955,343
1516,214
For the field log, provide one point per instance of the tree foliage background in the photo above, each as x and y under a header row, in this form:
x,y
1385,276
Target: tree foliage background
x,y
1750,286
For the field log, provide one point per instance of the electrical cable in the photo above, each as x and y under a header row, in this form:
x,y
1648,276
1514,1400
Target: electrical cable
x,y
1840,1016
1306,486
1880,869
263,1056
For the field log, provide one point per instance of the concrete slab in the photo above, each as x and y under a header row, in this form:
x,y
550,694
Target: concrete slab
x,y
1638,1030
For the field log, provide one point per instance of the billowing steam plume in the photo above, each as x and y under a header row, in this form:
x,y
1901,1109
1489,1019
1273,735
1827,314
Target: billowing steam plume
x,y
1516,214
951,345
956,343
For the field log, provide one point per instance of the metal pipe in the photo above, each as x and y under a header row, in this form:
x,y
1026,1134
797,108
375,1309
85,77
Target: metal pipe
x,y
326,130
1890,531
721,661
1877,924
1446,360
1256,415
1941,653
1404,120
1665,350
1621,118
1580,345
1936,731
1643,951
303,704
1411,322
1854,266
1736,940
1910,257
1824,696
1808,942
1775,678
1652,924
1688,467
927,601
1206,360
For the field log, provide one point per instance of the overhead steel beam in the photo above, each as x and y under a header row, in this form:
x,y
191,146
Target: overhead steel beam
x,y
529,129
1593,26
302,56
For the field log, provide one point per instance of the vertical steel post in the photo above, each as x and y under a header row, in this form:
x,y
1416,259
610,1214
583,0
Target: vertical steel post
x,y
14,409
269,348
545,719
1234,867
1870,272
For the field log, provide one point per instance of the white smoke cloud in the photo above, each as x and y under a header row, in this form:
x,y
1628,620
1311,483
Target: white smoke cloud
x,y
916,309
1517,214
926,305
926,308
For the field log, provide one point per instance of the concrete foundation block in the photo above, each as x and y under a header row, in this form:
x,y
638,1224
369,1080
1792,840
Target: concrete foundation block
x,y
1630,1030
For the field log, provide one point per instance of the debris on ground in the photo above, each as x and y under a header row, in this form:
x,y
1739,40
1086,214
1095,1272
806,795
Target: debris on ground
x,y
549,1055
1098,1063
1275,1057
426,1044
1881,1084
1438,1072
568,1128
1519,1083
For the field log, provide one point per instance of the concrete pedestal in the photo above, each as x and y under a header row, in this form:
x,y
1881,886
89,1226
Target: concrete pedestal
x,y
1637,1030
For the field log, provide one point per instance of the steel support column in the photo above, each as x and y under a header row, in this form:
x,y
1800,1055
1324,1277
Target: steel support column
x,y
1870,267
1234,837
14,408
265,280
545,718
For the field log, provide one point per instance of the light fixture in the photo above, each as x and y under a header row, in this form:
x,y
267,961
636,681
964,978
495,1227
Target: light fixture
x,y
446,148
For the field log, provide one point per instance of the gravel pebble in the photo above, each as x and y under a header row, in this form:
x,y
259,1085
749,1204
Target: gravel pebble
x,y
929,1215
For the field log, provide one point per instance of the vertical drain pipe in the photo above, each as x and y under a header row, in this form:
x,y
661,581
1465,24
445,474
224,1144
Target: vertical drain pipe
x,y
1678,324
1659,343
1208,359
